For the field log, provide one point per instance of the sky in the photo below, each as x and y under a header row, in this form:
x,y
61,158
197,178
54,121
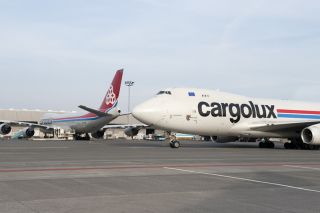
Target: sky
x,y
59,54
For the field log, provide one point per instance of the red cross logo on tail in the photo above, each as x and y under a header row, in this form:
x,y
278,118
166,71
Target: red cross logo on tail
x,y
110,97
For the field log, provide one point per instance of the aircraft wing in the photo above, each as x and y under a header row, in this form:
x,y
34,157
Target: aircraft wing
x,y
26,124
288,126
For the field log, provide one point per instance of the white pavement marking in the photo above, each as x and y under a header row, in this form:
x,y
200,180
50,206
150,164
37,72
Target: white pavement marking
x,y
243,179
302,167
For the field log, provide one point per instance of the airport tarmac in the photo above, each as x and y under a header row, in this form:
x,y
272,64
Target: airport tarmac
x,y
140,176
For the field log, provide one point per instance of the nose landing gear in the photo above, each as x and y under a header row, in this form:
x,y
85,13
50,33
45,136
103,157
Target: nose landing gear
x,y
175,144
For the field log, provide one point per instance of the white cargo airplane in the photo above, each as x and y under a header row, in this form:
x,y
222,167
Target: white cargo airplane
x,y
92,122
227,117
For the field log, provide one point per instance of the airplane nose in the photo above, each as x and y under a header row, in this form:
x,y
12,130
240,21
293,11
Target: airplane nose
x,y
138,112
148,112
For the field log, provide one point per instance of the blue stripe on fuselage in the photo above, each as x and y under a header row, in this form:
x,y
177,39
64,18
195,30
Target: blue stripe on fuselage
x,y
299,116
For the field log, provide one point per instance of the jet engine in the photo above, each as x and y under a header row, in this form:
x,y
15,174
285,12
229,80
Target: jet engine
x,y
311,135
131,131
98,135
24,133
29,132
224,139
5,129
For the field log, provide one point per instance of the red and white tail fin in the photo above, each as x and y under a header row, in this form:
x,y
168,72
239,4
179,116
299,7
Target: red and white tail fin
x,y
110,101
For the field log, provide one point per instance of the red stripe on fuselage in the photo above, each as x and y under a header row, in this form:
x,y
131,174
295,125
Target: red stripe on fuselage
x,y
89,115
307,112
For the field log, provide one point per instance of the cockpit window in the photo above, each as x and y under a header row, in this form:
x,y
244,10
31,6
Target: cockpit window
x,y
160,93
164,92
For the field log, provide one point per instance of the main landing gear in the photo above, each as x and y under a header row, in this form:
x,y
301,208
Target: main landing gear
x,y
298,144
266,144
80,137
175,144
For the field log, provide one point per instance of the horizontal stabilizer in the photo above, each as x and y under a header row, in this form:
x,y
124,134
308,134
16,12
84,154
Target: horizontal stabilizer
x,y
94,111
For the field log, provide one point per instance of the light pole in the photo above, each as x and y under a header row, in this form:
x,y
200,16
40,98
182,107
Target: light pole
x,y
129,84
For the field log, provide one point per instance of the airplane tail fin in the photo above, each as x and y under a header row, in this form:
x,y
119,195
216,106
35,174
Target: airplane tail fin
x,y
110,101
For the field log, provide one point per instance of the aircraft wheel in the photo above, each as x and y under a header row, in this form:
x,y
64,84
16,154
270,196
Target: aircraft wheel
x,y
175,144
294,146
310,147
314,147
171,145
261,145
287,145
271,145
305,146
76,137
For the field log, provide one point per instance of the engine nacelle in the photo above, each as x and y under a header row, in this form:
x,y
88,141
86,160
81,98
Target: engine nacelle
x,y
98,135
24,133
29,132
311,135
224,139
5,129
131,131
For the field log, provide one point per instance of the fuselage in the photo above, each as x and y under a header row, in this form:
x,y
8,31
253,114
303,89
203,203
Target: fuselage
x,y
79,123
215,113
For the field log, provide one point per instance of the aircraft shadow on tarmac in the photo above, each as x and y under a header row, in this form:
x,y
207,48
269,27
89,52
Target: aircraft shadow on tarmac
x,y
193,144
150,144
